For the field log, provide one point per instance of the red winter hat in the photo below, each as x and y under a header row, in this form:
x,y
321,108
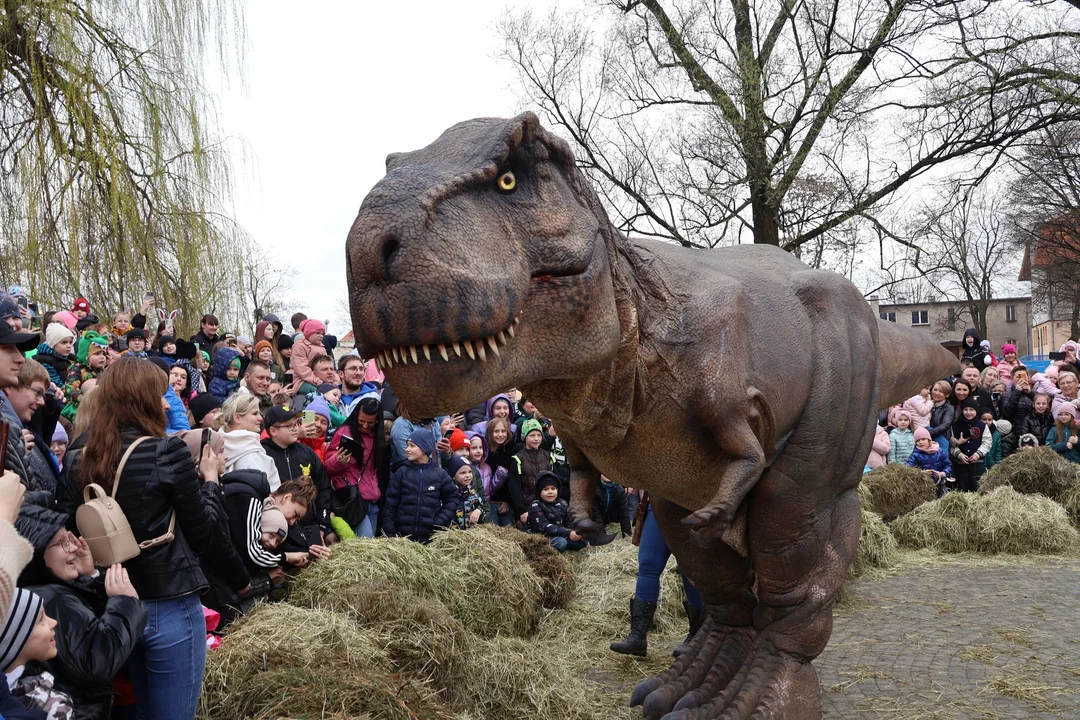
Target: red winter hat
x,y
80,304
458,440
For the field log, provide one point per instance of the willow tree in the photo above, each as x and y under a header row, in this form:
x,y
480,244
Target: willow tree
x,y
112,179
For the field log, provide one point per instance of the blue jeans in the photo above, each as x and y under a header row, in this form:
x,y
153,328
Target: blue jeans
x,y
505,519
367,526
653,554
166,666
561,544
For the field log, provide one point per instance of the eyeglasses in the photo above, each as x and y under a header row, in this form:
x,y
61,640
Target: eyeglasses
x,y
39,393
67,543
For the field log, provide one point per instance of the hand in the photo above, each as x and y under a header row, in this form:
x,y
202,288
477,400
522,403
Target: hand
x,y
551,430
456,420
84,561
574,536
56,391
443,446
118,584
925,394
11,496
524,518
504,508
474,516
928,472
244,590
28,440
343,455
211,464
299,559
319,552
309,431
24,313
276,575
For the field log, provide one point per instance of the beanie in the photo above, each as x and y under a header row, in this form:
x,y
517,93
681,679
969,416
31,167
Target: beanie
x,y
922,434
259,347
455,464
57,333
273,520
80,304
325,388
1008,348
202,404
529,426
424,440
310,327
458,440
544,479
1066,407
65,317
319,407
22,616
1004,426
136,333
59,434
284,342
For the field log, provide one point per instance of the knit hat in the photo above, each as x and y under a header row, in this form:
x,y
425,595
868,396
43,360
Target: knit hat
x,y
57,333
185,350
201,405
458,440
325,388
284,342
1008,348
205,356
319,407
259,347
310,326
1029,440
544,479
162,339
65,317
422,439
273,520
529,425
244,340
22,616
80,304
455,464
970,402
1004,426
161,363
59,434
922,434
1066,407
39,526
136,333
85,322
985,344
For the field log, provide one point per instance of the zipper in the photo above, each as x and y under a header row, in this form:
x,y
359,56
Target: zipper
x,y
419,497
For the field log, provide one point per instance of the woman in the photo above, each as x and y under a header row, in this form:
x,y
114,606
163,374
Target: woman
x,y
1068,386
369,470
100,617
241,420
942,413
158,482
961,390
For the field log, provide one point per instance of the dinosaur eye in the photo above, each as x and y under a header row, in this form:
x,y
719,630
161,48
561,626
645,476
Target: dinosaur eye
x,y
507,182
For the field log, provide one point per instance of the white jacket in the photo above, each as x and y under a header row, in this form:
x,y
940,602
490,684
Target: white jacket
x,y
244,451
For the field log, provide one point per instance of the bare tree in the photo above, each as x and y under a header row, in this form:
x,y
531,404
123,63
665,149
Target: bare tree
x,y
706,122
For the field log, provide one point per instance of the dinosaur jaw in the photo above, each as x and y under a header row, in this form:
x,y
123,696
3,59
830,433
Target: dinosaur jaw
x,y
451,351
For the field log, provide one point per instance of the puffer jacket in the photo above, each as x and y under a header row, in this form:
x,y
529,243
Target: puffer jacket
x,y
902,443
527,465
33,474
56,364
160,478
419,500
303,354
937,460
549,518
1038,425
220,386
879,451
95,635
609,505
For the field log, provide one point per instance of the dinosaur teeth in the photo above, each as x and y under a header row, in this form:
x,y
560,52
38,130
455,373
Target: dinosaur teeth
x,y
469,350
493,345
427,352
387,360
442,352
457,348
412,353
502,337
480,350
510,330
397,358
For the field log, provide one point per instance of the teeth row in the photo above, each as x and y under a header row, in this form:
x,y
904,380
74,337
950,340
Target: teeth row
x,y
474,349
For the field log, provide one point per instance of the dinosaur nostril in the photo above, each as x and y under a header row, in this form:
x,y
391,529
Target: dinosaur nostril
x,y
390,247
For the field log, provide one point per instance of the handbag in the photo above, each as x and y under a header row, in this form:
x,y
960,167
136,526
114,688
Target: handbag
x,y
104,526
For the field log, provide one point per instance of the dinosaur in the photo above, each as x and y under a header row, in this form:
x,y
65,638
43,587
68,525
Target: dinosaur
x,y
738,386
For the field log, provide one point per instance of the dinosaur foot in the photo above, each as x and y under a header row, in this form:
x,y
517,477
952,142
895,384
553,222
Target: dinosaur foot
x,y
746,677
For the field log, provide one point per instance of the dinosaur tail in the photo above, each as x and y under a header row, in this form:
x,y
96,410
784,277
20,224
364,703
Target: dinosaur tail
x,y
910,361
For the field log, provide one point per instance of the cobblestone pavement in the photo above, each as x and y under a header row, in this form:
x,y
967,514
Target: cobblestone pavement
x,y
988,640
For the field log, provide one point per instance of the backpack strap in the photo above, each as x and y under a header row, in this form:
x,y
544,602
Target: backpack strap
x,y
169,536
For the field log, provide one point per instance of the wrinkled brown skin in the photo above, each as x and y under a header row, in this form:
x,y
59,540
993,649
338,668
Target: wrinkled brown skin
x,y
738,386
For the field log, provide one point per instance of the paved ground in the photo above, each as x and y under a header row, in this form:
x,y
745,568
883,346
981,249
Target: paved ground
x,y
987,641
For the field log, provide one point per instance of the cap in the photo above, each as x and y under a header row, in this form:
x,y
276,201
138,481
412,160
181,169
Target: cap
x,y
325,388
81,304
278,414
136,333
25,342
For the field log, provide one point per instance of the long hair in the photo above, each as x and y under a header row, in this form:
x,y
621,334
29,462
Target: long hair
x,y
956,401
129,397
86,416
494,423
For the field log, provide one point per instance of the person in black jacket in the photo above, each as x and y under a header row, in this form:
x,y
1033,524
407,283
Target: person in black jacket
x,y
970,349
421,497
1037,422
609,505
1015,406
207,336
549,515
295,460
99,617
158,488
942,413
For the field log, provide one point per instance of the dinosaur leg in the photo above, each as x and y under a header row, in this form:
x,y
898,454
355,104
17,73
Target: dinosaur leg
x,y
724,578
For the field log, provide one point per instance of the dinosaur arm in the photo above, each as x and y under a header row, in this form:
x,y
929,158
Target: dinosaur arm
x,y
584,479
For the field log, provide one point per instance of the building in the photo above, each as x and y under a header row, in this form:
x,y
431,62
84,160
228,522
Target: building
x,y
1008,320
1051,260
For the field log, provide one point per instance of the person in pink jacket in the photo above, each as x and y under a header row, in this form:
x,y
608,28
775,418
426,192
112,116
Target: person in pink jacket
x,y
919,406
304,351
879,452
1007,362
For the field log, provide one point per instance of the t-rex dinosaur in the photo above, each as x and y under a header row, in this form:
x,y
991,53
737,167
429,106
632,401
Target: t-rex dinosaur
x,y
738,386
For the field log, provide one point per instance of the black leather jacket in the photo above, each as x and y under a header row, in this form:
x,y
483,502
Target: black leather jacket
x,y
160,477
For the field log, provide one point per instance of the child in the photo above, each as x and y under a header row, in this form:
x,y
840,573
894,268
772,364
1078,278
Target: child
x,y
459,443
1062,437
136,343
226,374
265,351
997,429
92,356
167,347
472,507
501,452
932,459
58,445
548,515
969,444
53,353
528,463
121,323
478,455
332,395
1007,362
421,496
1039,421
902,438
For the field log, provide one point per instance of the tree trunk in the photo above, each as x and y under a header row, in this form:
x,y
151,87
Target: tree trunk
x,y
1074,327
766,231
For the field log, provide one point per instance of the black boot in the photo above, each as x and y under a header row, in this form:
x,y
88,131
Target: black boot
x,y
641,617
696,618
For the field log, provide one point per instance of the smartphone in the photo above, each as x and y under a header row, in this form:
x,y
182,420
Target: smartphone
x,y
351,446
307,417
446,435
23,302
149,296
1057,356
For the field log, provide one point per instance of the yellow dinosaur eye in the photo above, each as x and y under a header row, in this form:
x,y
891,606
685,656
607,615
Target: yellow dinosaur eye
x,y
507,181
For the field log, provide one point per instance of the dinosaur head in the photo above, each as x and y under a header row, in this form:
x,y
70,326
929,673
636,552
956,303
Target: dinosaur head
x,y
480,262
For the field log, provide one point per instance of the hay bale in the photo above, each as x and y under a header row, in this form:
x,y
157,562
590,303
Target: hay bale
x,y
1000,521
894,490
1070,500
288,661
1039,470
484,581
551,566
877,546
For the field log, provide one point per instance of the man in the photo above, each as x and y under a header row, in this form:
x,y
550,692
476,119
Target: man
x,y
207,335
296,460
351,369
26,450
257,379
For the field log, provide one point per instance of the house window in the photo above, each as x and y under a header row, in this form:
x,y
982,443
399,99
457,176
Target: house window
x,y
890,316
1010,313
952,318
920,317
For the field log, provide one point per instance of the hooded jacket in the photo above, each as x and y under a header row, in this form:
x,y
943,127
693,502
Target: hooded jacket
x,y
481,427
879,451
220,386
975,353
244,451
488,479
937,459
295,461
420,498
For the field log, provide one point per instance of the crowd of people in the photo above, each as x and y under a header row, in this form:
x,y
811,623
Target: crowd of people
x,y
957,428
234,461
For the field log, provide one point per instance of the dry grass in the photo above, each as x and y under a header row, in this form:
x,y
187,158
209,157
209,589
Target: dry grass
x,y
877,546
1034,471
894,490
552,567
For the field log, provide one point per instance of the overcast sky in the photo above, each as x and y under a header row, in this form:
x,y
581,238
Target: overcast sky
x,y
331,89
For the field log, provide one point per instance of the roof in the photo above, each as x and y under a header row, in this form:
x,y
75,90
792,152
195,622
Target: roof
x,y
347,338
1021,298
1054,242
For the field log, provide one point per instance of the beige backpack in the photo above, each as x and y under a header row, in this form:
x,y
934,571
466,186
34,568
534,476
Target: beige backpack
x,y
104,526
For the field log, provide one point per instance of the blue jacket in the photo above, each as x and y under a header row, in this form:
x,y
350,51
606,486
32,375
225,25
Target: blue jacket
x,y
176,419
419,499
932,461
220,386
